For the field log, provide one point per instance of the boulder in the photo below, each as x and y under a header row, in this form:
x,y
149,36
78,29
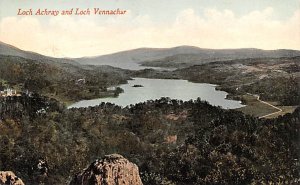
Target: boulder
x,y
9,178
112,169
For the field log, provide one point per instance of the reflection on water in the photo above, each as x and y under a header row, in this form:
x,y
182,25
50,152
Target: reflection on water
x,y
157,88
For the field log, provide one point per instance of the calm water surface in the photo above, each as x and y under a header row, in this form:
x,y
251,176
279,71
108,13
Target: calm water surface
x,y
157,88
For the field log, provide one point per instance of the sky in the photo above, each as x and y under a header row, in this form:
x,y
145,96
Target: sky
x,y
219,24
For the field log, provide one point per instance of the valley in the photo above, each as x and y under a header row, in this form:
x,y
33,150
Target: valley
x,y
273,76
171,140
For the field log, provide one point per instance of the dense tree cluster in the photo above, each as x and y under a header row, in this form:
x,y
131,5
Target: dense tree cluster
x,y
285,90
66,82
172,142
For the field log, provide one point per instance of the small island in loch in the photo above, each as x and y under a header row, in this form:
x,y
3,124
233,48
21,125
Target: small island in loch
x,y
137,85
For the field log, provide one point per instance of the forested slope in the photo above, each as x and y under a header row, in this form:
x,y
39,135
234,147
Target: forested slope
x,y
172,142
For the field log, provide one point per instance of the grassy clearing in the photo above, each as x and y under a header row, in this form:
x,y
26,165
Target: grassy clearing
x,y
255,107
258,109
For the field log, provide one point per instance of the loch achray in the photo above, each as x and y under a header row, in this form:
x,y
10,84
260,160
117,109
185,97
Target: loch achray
x,y
45,11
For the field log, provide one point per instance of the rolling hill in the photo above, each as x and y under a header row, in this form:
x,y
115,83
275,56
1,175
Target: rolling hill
x,y
9,50
55,77
181,56
141,58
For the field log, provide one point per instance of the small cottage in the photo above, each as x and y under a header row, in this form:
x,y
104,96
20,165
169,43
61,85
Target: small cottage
x,y
8,92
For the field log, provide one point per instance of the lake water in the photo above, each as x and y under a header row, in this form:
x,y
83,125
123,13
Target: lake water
x,y
157,88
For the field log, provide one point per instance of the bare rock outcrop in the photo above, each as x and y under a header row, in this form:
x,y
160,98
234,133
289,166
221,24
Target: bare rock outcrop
x,y
112,169
9,178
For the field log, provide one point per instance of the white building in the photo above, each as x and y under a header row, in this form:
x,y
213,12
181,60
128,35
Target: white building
x,y
8,92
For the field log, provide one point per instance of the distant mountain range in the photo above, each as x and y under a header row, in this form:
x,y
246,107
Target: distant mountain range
x,y
158,57
180,56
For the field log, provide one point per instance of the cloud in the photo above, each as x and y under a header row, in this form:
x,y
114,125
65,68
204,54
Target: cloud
x,y
75,37
222,29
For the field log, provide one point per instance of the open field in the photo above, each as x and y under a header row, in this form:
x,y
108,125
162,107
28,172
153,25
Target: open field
x,y
257,108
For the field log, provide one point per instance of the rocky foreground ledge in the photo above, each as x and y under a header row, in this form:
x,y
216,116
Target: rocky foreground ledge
x,y
112,169
9,178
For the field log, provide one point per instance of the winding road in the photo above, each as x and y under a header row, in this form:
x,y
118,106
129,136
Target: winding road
x,y
258,99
